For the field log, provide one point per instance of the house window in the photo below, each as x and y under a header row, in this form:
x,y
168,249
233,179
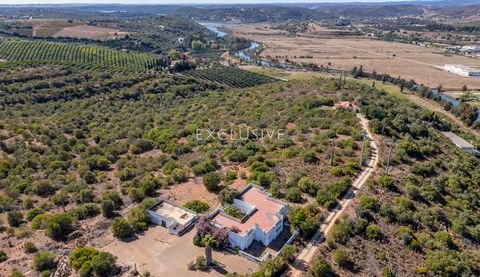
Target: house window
x,y
278,228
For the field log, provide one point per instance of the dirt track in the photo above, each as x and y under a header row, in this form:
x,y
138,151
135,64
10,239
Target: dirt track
x,y
308,253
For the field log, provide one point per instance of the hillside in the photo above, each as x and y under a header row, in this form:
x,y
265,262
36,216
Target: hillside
x,y
89,137
81,55
419,215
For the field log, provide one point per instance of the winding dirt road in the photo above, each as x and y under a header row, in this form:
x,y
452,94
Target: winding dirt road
x,y
306,256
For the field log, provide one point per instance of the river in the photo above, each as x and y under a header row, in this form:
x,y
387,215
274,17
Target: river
x,y
242,54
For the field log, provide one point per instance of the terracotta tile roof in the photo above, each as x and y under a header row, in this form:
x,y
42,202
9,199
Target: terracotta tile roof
x,y
266,213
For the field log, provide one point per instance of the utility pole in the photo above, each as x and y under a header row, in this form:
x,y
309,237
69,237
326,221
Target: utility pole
x,y
389,155
333,152
383,126
361,154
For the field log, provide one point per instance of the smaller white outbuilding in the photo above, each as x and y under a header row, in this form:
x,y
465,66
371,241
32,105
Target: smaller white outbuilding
x,y
176,218
462,70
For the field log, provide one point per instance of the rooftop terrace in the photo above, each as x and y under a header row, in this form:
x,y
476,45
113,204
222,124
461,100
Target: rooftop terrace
x,y
265,213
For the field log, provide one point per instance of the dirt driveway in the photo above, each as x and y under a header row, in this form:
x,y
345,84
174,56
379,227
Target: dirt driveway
x,y
163,254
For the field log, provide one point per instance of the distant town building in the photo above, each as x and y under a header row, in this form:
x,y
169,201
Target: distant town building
x,y
176,218
460,143
262,221
462,70
470,49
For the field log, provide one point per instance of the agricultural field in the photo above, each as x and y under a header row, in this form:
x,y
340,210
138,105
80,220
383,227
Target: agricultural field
x,y
328,49
90,32
82,55
231,77
48,28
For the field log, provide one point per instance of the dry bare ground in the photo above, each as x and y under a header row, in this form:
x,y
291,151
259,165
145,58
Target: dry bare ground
x,y
87,31
163,254
346,50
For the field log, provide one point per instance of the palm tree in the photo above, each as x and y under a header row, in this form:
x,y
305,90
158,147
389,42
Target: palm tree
x,y
208,240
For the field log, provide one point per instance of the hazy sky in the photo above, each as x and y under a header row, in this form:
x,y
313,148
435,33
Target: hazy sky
x,y
179,1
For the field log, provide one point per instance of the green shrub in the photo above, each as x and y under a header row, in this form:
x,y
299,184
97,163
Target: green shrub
x,y
307,185
387,181
32,213
89,261
288,252
293,195
85,211
373,232
211,181
141,145
179,175
302,218
309,157
205,167
339,188
108,208
43,188
30,247
44,260
340,257
121,228
97,162
136,194
231,210
449,263
368,202
231,175
226,195
326,199
197,206
14,218
320,268
341,232
59,226
139,219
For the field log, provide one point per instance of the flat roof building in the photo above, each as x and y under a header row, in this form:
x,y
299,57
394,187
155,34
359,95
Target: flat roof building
x,y
460,142
167,214
262,221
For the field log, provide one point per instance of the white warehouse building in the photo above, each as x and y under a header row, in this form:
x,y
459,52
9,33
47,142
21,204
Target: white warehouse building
x,y
462,70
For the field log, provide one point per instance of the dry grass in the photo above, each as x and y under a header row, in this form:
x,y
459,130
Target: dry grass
x,y
87,31
345,51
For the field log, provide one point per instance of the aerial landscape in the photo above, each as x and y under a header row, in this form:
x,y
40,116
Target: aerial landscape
x,y
259,139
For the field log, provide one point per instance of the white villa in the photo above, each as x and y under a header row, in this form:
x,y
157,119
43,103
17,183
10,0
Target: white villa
x,y
262,221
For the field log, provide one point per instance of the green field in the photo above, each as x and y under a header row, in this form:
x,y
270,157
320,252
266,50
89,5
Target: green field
x,y
80,55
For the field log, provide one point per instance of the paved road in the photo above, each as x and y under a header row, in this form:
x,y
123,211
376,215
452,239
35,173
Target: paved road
x,y
306,256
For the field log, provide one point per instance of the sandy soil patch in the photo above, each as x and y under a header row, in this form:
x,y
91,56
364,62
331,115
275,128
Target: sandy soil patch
x,y
163,254
193,189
